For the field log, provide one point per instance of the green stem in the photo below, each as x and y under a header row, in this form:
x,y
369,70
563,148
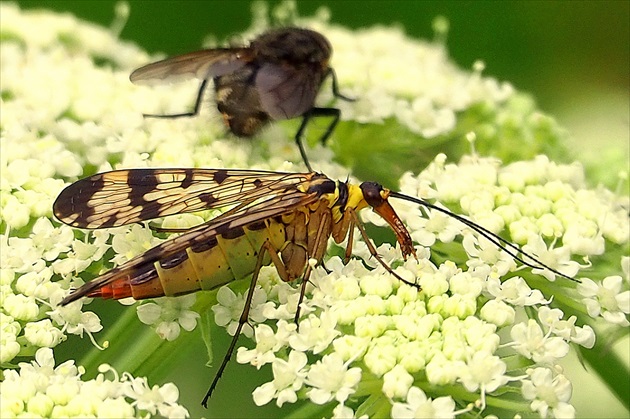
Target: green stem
x,y
136,348
124,332
605,361
610,367
460,393
309,410
507,404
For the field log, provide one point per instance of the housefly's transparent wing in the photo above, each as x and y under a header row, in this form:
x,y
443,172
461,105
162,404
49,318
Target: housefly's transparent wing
x,y
287,92
203,64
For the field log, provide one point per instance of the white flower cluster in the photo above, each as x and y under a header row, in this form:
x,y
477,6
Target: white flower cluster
x,y
39,389
544,206
393,76
364,326
380,66
169,316
539,202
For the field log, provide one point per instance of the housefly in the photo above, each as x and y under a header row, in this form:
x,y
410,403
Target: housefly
x,y
276,77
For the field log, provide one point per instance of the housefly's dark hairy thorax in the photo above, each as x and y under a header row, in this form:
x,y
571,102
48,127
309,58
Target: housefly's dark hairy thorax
x,y
276,77
248,97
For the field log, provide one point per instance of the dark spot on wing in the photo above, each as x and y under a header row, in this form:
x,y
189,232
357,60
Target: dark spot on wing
x,y
147,212
220,176
73,200
258,183
141,182
188,179
207,197
110,221
96,183
142,177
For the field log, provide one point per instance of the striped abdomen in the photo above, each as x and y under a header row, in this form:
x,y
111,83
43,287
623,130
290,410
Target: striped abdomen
x,y
204,266
225,257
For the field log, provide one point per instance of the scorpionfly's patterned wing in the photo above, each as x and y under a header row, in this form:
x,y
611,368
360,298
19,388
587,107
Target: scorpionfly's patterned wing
x,y
203,64
225,223
123,197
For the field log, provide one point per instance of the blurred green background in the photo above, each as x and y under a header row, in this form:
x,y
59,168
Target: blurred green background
x,y
573,57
